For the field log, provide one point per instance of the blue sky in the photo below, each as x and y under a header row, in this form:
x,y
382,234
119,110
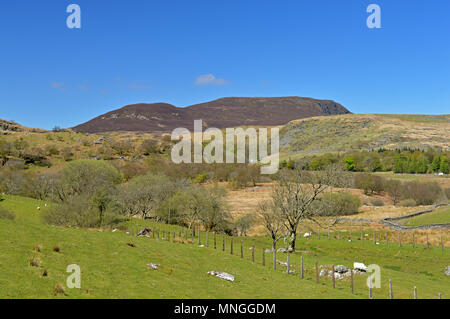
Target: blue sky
x,y
186,52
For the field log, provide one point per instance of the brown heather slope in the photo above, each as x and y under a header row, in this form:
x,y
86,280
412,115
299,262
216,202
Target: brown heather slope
x,y
221,113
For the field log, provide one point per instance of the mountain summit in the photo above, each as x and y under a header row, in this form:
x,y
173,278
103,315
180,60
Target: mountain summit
x,y
221,113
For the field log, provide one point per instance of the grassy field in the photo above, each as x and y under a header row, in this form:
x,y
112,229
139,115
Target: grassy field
x,y
439,216
112,269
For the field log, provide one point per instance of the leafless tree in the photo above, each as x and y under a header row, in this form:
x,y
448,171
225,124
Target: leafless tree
x,y
273,221
297,190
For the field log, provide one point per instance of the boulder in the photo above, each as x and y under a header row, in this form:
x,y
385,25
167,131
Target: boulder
x,y
281,250
282,263
341,269
153,266
145,232
359,266
221,275
323,272
447,271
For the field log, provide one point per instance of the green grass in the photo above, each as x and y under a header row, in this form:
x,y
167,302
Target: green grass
x,y
439,216
112,269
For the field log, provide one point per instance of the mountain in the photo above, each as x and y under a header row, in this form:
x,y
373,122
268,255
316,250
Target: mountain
x,y
221,113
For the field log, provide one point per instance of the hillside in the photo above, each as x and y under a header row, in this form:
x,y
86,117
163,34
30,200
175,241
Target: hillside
x,y
341,133
221,113
112,269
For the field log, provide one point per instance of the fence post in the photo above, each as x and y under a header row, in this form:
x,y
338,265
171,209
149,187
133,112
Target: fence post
x,y
317,272
362,237
253,254
334,279
440,296
242,249
387,240
351,239
199,239
215,242
168,235
231,248
415,292
274,259
427,242
351,281
391,295
318,233
193,235
399,240
301,268
223,242
374,239
207,239
288,263
328,233
153,233
263,257
414,241
442,244
339,235
370,289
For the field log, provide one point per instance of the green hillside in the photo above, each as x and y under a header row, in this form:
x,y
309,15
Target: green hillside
x,y
112,269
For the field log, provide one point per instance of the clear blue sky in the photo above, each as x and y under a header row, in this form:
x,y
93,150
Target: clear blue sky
x,y
151,51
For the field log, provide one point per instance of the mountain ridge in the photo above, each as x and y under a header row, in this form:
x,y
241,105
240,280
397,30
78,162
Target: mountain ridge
x,y
220,113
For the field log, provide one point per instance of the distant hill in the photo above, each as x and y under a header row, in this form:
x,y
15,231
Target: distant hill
x,y
341,133
221,113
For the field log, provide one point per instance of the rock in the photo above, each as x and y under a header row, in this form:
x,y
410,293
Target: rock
x,y
221,275
153,266
145,232
323,272
281,250
268,251
201,246
359,266
447,271
282,263
338,276
341,269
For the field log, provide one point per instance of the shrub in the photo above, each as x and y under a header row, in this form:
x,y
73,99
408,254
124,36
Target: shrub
x,y
424,193
377,202
408,203
338,204
6,214
369,183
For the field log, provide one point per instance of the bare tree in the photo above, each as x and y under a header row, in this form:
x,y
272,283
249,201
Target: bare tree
x,y
297,190
273,221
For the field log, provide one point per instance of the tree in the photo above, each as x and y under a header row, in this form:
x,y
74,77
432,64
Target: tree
x,y
243,224
273,221
295,193
394,190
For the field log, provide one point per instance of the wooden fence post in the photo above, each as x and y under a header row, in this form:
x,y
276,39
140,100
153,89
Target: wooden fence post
x,y
333,277
223,242
374,238
427,242
231,248
415,292
288,263
242,250
274,259
199,238
263,257
351,239
318,233
387,240
351,281
317,272
362,237
399,240
413,241
215,242
253,254
442,244
168,235
301,268
391,294
207,239
328,233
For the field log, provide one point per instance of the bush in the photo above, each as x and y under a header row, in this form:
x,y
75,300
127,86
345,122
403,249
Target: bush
x,y
6,214
369,183
338,204
408,203
377,202
424,193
